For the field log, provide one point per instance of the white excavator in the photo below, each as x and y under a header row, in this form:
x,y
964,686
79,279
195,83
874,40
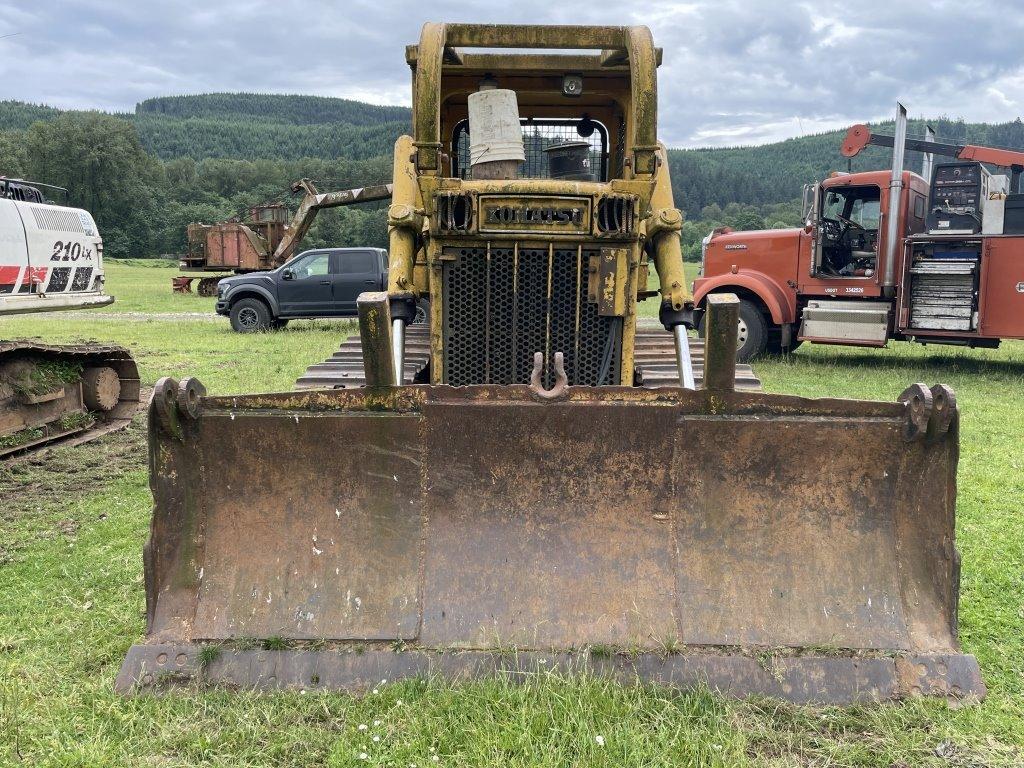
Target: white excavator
x,y
51,258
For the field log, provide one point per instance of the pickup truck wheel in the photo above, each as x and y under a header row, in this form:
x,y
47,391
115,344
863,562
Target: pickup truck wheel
x,y
250,316
751,333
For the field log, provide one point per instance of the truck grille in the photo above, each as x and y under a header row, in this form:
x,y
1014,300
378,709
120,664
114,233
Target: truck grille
x,y
501,305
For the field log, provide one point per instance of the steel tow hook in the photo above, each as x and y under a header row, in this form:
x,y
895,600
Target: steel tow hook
x,y
561,388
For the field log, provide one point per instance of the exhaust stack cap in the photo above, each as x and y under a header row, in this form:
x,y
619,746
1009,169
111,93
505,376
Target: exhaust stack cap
x,y
495,138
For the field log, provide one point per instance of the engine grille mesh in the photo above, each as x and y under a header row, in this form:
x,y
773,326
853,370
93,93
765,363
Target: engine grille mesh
x,y
503,305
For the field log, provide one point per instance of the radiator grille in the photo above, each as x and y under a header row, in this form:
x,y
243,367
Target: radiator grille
x,y
503,305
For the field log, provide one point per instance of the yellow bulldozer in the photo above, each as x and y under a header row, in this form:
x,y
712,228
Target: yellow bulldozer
x,y
527,499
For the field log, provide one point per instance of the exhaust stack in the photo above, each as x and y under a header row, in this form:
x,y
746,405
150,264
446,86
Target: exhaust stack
x,y
893,212
928,160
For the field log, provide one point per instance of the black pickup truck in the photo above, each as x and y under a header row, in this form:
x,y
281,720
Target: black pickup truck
x,y
320,283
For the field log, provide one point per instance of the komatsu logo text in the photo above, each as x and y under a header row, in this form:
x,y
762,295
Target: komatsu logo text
x,y
569,215
507,214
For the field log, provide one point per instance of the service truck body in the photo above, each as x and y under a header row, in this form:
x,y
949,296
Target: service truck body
x,y
953,275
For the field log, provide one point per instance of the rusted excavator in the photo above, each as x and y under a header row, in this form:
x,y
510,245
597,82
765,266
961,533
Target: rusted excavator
x,y
266,239
526,495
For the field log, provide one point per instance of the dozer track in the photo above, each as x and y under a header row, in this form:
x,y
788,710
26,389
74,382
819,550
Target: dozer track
x,y
63,393
654,354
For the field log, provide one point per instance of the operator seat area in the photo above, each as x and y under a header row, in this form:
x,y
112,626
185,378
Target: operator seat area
x,y
849,231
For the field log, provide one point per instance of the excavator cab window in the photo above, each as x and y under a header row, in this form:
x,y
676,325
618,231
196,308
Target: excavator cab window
x,y
849,231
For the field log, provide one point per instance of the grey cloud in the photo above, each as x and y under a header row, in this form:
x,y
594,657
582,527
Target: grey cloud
x,y
734,71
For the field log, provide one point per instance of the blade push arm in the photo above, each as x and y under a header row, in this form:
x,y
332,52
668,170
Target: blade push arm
x,y
663,226
313,202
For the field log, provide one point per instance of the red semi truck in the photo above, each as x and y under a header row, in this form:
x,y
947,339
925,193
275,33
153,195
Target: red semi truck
x,y
884,255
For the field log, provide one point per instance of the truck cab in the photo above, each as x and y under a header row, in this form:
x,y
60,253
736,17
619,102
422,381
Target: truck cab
x,y
823,281
939,264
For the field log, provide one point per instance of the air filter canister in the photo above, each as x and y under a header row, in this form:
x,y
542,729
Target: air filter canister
x,y
495,138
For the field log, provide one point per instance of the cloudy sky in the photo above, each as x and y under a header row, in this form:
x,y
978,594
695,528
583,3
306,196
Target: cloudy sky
x,y
734,72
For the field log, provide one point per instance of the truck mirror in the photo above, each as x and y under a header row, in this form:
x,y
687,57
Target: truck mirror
x,y
287,275
806,197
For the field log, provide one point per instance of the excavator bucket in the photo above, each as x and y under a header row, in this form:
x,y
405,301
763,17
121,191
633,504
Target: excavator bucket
x,y
756,543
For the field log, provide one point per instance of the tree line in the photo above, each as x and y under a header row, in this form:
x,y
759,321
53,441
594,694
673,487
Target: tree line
x,y
142,204
146,175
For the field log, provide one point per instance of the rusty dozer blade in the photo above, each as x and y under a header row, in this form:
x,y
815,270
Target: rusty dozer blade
x,y
757,543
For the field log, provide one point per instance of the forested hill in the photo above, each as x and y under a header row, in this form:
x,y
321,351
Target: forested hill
x,y
248,126
293,109
206,156
253,126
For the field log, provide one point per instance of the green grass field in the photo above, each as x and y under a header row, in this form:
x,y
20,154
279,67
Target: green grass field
x,y
72,524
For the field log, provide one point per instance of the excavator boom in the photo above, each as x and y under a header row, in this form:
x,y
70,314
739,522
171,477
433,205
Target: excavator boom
x,y
314,202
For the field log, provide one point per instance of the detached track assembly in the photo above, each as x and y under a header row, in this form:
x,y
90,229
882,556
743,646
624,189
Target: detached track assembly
x,y
745,532
101,397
